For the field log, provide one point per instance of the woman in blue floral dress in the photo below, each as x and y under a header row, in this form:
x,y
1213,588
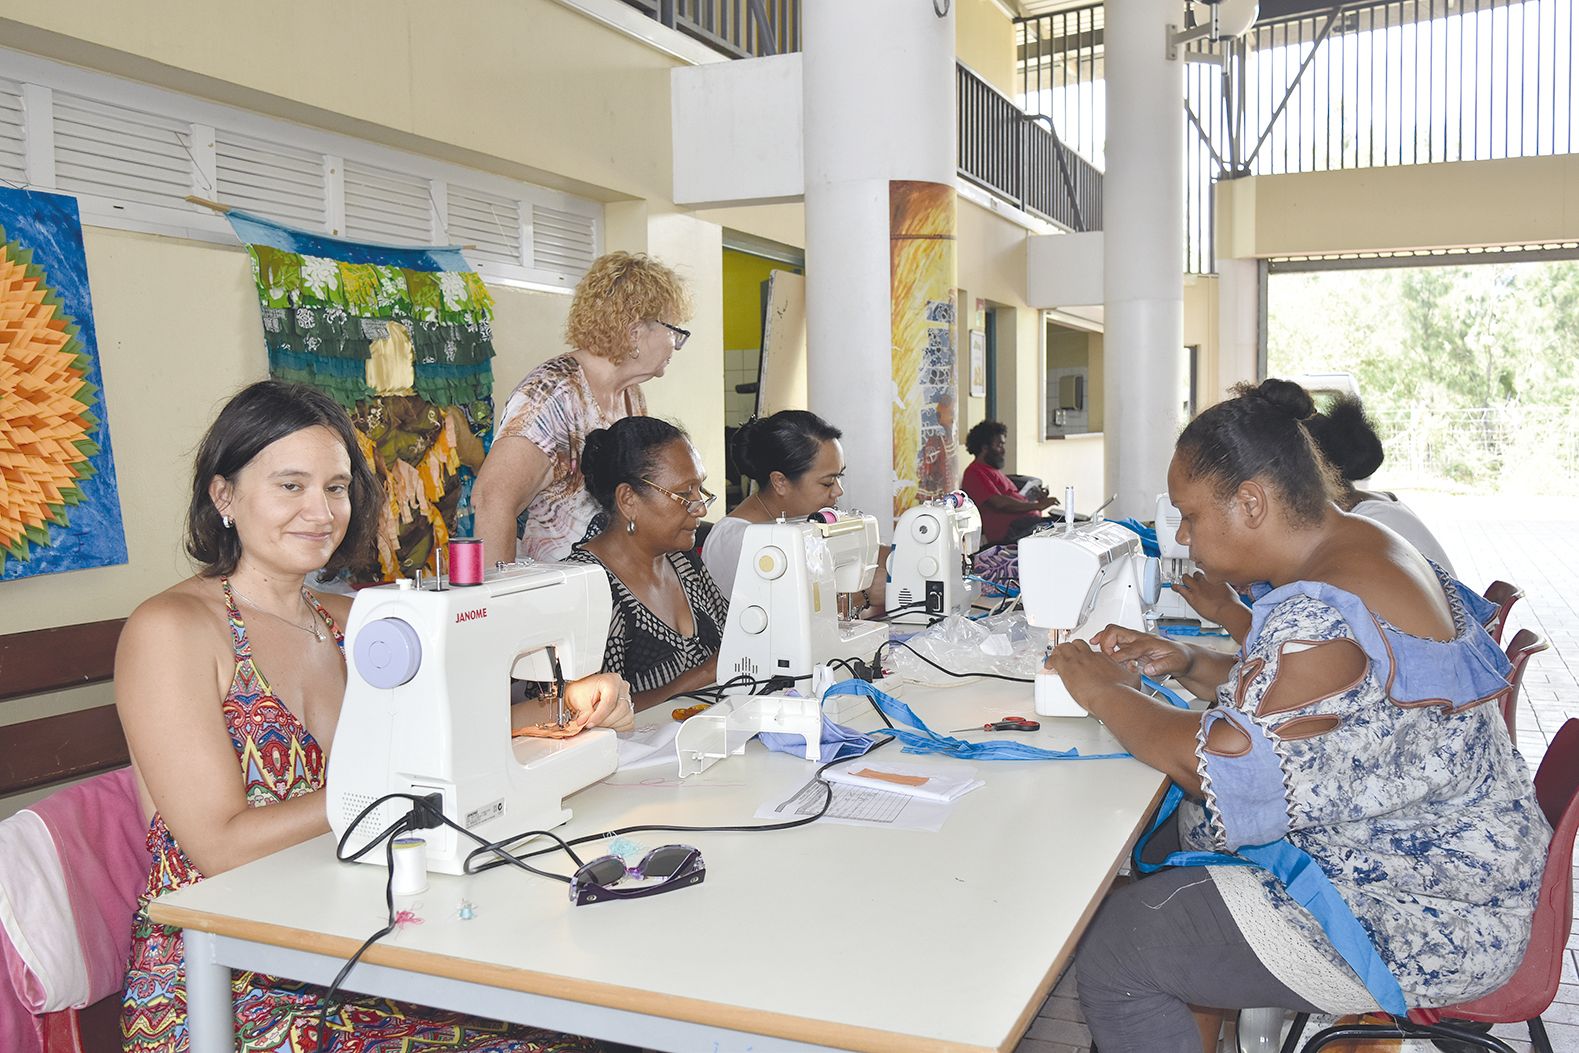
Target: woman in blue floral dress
x,y
1352,731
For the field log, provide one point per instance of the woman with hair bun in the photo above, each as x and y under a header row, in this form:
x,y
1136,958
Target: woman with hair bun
x,y
1348,440
1350,749
1349,443
668,619
797,462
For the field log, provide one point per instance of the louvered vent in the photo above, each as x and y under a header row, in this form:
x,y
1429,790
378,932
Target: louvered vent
x,y
489,222
386,206
13,169
104,150
282,183
563,242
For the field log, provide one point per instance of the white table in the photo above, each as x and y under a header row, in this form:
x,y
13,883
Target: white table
x,y
823,937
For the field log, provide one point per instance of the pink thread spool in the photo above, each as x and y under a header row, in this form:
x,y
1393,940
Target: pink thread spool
x,y
466,561
824,515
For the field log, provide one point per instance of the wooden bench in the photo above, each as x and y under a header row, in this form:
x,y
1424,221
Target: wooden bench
x,y
47,750
44,751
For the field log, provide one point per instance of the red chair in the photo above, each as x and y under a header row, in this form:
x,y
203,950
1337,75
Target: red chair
x,y
1504,595
1534,984
1525,643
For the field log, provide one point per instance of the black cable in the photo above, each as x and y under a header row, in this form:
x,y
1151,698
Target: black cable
x,y
950,672
389,903
788,824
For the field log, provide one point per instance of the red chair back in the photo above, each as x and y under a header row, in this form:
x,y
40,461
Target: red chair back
x,y
1532,987
1525,644
1504,595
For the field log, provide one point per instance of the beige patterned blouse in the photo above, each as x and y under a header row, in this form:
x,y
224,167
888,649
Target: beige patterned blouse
x,y
553,408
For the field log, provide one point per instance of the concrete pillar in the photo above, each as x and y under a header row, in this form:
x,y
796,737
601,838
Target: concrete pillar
x,y
878,89
1238,324
1143,258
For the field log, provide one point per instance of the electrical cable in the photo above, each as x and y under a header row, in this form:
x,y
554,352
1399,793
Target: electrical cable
x,y
950,672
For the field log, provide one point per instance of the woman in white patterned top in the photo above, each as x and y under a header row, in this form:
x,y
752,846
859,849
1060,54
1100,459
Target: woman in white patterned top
x,y
624,325
668,618
1350,737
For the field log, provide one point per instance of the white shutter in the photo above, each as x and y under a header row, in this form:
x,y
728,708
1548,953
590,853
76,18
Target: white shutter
x,y
490,222
104,150
386,206
13,166
279,182
562,242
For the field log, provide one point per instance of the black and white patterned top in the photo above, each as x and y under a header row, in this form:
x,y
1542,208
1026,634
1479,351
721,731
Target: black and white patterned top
x,y
643,648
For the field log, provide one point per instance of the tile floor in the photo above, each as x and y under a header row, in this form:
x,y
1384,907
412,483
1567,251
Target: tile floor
x,y
1536,546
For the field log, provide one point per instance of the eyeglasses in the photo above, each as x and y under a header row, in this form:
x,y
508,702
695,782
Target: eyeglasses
x,y
664,869
680,335
694,506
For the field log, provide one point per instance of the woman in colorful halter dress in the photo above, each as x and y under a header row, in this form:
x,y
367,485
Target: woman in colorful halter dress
x,y
228,759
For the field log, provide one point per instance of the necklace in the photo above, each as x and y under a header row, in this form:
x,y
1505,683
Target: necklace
x,y
765,509
313,628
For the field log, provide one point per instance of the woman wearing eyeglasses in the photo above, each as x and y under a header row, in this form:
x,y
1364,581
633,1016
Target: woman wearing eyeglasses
x,y
624,327
668,618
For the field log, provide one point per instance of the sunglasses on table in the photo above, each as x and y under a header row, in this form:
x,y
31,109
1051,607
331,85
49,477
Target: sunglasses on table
x,y
696,506
664,869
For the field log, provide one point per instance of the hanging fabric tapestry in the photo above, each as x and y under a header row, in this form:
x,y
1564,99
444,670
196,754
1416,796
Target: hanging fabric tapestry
x,y
401,338
59,506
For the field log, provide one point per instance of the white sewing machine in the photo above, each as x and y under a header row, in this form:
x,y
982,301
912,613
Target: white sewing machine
x,y
1076,581
427,704
783,616
1173,565
929,564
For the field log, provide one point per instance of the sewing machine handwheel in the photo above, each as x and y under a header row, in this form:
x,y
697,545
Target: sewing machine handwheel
x,y
925,528
770,562
388,652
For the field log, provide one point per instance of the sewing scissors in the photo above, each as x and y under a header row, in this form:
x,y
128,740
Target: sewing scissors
x,y
1005,724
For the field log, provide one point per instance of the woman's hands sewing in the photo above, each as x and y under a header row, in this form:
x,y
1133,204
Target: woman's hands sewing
x,y
599,701
1087,672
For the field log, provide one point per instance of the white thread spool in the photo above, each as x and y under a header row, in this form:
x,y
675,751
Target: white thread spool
x,y
411,866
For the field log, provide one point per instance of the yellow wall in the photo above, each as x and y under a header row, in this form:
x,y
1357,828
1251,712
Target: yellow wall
x,y
743,278
984,41
1463,204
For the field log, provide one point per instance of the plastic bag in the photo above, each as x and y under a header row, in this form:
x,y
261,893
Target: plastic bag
x,y
1003,644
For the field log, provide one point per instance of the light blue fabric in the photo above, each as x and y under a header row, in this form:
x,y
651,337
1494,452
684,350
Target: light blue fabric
x,y
1253,780
1308,885
1457,673
838,742
918,738
255,230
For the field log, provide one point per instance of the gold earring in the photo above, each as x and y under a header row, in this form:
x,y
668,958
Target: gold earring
x,y
630,526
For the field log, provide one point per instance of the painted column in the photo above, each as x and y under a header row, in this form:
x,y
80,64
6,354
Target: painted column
x,y
879,116
1143,264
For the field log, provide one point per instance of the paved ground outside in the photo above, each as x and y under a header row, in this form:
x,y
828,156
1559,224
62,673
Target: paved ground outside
x,y
1533,543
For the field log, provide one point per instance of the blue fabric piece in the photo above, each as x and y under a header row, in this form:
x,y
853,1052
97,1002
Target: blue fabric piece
x,y
1476,606
1249,788
1148,535
916,737
838,742
255,230
1308,885
1456,673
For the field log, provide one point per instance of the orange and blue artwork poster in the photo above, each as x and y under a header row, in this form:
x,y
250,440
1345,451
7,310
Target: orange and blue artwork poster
x,y
921,254
60,508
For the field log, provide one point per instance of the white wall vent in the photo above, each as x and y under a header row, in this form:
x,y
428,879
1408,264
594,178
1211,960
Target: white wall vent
x,y
386,206
13,166
278,182
110,151
490,222
564,242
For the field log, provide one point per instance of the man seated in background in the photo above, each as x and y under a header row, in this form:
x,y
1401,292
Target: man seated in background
x,y
1006,514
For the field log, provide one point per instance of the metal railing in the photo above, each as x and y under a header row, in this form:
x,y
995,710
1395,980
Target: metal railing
x,y
1019,157
738,28
1529,449
1362,83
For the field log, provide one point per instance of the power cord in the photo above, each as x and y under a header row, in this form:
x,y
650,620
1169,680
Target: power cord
x,y
950,672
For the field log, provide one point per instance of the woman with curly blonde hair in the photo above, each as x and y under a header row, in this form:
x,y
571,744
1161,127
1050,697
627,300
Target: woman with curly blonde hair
x,y
624,326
